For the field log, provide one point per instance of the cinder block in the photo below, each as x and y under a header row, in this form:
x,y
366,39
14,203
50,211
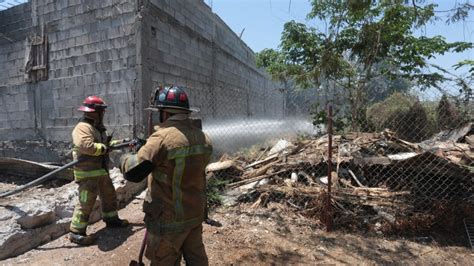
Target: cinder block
x,y
116,65
130,74
116,76
169,59
170,79
78,71
88,68
80,84
158,3
176,71
122,110
106,66
104,55
106,3
158,77
131,61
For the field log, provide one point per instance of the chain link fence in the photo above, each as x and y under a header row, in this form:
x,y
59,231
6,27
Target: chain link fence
x,y
404,165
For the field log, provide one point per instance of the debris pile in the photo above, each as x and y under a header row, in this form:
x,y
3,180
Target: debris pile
x,y
42,213
380,182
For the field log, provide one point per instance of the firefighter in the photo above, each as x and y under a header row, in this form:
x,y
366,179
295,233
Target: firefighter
x,y
176,155
91,173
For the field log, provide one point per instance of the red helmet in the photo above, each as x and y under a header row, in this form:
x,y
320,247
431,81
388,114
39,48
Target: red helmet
x,y
92,104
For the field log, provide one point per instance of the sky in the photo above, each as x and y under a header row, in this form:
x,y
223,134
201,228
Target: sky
x,y
4,4
263,22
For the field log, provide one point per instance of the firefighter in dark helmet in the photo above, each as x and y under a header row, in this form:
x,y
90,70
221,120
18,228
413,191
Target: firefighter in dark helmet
x,y
174,159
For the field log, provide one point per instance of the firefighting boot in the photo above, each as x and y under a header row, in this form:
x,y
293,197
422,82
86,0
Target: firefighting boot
x,y
81,239
116,222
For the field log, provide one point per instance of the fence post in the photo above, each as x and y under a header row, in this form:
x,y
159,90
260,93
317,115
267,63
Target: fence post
x,y
329,153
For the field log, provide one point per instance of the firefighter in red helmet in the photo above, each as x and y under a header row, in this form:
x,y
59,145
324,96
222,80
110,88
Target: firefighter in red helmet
x,y
90,142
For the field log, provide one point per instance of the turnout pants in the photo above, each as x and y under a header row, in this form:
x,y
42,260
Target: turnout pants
x,y
89,189
167,249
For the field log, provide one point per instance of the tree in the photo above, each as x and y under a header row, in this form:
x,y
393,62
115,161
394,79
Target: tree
x,y
414,124
448,116
459,12
363,40
296,100
274,62
463,100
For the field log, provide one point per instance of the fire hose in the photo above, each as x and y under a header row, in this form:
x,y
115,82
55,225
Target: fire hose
x,y
132,143
39,180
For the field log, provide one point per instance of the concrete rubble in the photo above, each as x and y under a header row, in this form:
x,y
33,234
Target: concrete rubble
x,y
39,215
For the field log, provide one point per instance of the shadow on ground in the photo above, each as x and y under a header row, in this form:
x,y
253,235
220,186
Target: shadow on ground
x,y
111,238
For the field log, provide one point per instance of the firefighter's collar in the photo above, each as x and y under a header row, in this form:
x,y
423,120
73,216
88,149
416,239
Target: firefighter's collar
x,y
179,117
176,117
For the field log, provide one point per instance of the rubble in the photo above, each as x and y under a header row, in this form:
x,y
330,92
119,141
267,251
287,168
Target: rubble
x,y
34,213
41,214
380,182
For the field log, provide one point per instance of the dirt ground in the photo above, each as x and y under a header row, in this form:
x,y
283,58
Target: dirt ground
x,y
250,236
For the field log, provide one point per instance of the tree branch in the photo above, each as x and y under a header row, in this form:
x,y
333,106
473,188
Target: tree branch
x,y
415,7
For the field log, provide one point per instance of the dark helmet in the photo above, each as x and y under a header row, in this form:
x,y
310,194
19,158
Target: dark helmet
x,y
92,104
173,98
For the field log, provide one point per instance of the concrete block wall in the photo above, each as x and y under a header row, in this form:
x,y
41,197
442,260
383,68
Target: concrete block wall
x,y
120,50
91,51
15,23
186,44
16,101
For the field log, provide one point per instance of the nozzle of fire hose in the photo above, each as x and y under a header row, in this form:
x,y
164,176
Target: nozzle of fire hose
x,y
135,143
139,143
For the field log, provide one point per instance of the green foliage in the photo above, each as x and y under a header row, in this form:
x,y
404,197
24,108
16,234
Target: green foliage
x,y
460,12
214,188
447,114
365,125
432,116
274,63
405,115
370,32
341,121
396,103
464,101
320,116
468,63
380,87
363,40
413,125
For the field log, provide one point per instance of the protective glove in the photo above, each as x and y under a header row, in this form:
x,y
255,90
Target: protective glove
x,y
119,141
104,149
138,143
